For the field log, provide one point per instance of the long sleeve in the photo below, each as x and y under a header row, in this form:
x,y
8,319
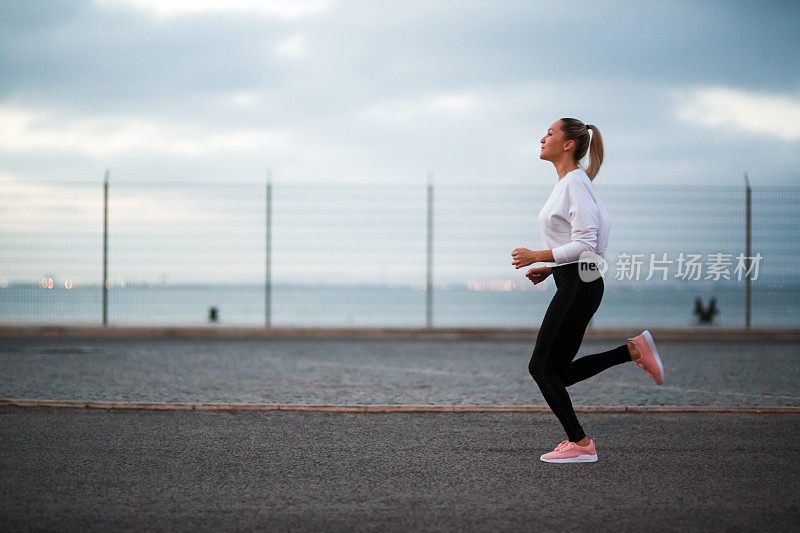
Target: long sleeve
x,y
584,218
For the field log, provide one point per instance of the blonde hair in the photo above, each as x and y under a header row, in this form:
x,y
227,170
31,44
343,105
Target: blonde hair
x,y
575,130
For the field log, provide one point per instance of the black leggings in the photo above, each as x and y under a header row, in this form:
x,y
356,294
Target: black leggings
x,y
560,336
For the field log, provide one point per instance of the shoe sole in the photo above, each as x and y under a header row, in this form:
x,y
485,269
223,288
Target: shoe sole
x,y
578,459
652,345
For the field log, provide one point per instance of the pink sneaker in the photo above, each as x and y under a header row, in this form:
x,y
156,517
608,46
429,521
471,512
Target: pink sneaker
x,y
569,452
649,359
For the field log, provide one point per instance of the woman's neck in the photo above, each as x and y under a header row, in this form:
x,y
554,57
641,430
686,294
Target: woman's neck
x,y
564,167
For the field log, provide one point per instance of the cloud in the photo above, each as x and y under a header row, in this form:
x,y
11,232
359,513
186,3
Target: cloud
x,y
455,103
293,47
23,130
240,99
776,115
381,91
78,206
162,9
444,104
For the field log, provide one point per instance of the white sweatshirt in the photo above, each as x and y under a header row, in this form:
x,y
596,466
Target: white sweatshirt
x,y
574,219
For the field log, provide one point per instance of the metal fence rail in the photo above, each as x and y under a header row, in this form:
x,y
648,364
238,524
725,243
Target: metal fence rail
x,y
156,253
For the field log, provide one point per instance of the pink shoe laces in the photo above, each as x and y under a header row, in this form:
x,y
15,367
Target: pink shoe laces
x,y
563,446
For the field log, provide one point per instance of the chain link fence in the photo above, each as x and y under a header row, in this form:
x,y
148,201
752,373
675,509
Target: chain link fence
x,y
402,255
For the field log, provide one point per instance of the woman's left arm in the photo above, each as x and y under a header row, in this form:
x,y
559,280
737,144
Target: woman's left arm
x,y
523,257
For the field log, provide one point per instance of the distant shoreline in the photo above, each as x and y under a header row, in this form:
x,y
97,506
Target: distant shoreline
x,y
699,333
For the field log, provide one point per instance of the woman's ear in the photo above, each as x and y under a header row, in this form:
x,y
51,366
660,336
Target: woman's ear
x,y
569,145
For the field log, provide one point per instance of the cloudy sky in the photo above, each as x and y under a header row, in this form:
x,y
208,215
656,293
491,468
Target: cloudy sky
x,y
384,91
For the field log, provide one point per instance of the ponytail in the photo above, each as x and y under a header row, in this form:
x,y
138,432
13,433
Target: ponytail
x,y
575,130
595,152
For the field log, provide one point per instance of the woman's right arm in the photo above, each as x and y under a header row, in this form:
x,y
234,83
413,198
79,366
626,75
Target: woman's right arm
x,y
538,274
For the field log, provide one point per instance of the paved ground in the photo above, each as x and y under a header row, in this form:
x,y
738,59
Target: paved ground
x,y
373,371
100,470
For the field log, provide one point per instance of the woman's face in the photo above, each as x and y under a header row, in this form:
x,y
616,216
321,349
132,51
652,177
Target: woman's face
x,y
552,143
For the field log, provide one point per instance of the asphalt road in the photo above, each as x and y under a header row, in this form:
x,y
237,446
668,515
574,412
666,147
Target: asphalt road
x,y
106,470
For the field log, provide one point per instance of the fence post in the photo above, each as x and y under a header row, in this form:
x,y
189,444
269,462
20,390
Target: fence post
x,y
268,280
748,200
429,280
105,248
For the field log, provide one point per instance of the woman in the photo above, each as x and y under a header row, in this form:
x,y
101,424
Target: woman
x,y
574,221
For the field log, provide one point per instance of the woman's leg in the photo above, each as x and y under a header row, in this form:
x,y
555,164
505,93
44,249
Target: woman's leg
x,y
544,363
593,364
570,337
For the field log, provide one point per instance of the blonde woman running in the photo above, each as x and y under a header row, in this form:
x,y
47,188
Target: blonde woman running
x,y
574,220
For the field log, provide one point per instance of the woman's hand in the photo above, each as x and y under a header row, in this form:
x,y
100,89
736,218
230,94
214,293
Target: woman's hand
x,y
524,257
539,274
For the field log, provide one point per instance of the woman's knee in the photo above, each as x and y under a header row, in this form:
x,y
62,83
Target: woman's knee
x,y
539,369
565,375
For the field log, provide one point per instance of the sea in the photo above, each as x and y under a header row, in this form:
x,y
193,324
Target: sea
x,y
635,305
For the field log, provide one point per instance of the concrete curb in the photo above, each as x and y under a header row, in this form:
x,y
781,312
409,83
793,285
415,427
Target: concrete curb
x,y
394,408
707,333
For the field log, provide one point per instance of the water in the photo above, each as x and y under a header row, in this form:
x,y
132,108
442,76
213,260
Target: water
x,y
636,305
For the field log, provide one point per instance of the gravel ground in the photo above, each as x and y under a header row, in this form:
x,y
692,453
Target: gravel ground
x,y
374,371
